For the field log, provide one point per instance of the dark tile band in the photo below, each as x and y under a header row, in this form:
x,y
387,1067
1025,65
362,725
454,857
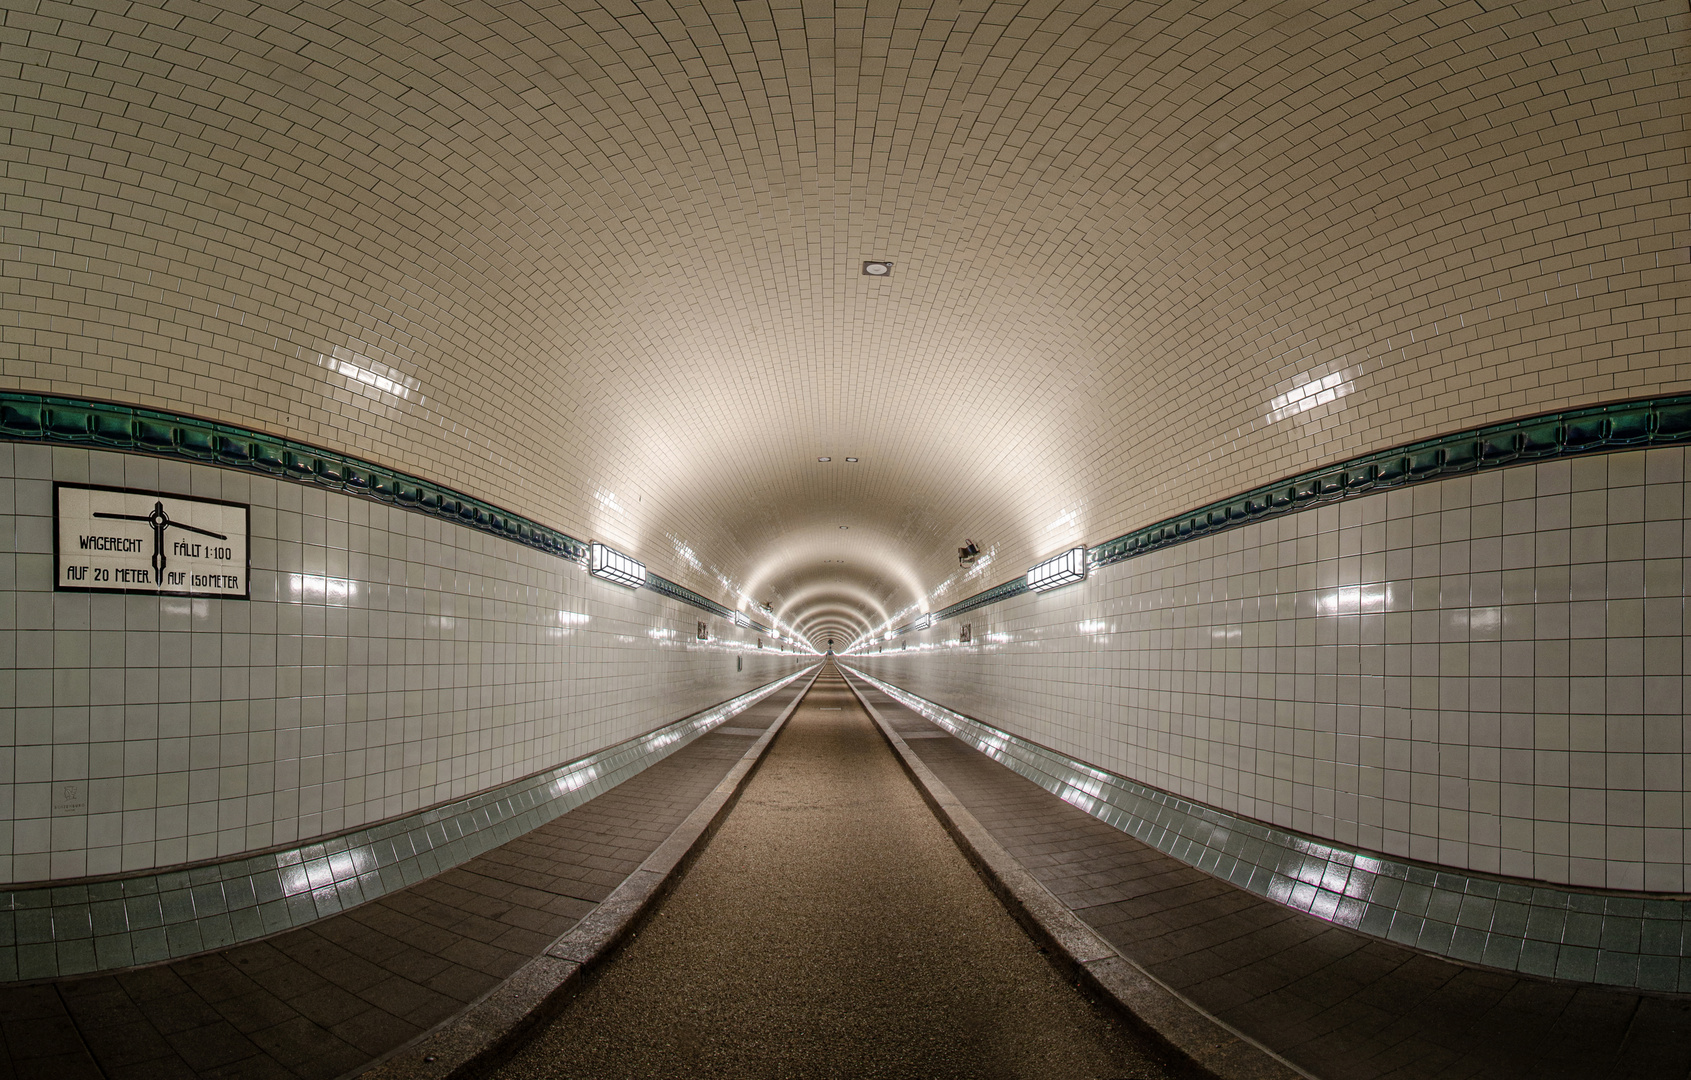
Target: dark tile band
x,y
1625,425
83,422
55,930
1579,935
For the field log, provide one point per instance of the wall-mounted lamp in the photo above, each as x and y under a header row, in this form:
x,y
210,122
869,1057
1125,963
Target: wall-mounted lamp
x,y
1065,569
925,621
740,619
613,565
967,554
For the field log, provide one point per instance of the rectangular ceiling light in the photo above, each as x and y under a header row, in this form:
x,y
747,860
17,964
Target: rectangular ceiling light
x,y
613,565
1065,569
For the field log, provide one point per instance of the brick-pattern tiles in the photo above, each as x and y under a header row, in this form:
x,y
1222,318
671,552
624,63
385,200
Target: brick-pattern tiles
x,y
529,666
1174,669
1338,1003
325,999
1145,255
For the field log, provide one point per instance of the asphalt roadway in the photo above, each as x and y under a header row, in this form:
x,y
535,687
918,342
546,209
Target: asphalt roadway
x,y
832,929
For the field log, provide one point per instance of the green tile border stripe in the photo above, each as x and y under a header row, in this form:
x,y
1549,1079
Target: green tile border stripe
x,y
1624,425
1579,935
1014,587
686,595
56,930
106,425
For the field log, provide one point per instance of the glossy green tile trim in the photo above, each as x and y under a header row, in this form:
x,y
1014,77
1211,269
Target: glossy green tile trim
x,y
82,422
1626,425
50,931
688,596
1014,587
682,593
1580,935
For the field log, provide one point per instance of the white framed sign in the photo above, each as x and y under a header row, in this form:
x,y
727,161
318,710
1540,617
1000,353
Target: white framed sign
x,y
119,540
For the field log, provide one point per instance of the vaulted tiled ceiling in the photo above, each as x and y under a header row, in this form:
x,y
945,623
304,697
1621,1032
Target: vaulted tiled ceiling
x,y
600,263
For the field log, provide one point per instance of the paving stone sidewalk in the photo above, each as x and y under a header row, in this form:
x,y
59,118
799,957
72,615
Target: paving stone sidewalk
x,y
327,999
1336,1003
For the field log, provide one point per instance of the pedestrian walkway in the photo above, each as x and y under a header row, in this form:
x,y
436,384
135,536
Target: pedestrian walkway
x,y
328,999
1333,1002
832,929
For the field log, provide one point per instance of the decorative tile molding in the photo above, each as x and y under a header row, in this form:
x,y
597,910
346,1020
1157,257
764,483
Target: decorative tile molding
x,y
1626,425
688,596
52,931
82,422
1588,936
1014,587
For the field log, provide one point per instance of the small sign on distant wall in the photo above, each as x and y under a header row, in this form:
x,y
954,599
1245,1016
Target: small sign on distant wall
x,y
70,797
117,540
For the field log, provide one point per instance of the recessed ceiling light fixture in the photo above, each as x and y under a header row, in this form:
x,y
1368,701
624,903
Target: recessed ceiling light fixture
x,y
877,268
824,459
852,460
845,526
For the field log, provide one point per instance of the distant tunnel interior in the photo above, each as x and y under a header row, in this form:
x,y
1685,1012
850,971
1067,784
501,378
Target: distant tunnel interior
x,y
1229,462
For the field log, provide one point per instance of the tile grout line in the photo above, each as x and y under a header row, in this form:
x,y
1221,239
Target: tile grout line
x,y
491,1029
1564,434
81,1035
1192,1031
1374,895
274,891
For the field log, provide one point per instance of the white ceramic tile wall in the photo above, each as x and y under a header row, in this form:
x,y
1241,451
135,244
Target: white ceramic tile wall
x,y
1168,251
387,661
1486,672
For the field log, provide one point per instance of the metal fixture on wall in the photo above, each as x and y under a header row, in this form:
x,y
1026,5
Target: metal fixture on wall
x,y
613,565
967,554
1065,569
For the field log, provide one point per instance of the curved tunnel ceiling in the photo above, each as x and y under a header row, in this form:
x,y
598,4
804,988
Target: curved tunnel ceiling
x,y
602,263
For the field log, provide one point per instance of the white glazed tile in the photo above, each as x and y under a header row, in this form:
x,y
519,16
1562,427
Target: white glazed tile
x,y
1489,663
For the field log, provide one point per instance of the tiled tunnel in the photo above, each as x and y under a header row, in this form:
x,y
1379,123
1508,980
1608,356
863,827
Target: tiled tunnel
x,y
1232,457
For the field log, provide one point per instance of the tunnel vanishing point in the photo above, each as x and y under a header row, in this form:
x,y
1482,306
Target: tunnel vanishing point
x,y
1233,455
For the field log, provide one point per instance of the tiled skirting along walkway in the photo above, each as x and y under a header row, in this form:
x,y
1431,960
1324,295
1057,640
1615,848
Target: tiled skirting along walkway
x,y
325,1000
1331,1001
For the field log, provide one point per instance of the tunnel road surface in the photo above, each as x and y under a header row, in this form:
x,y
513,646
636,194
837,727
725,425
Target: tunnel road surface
x,y
832,929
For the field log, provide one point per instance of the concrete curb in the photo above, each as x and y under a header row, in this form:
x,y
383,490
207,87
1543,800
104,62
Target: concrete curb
x,y
1207,1041
490,1031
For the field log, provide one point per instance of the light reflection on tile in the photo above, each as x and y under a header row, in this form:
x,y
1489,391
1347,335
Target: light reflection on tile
x,y
1418,906
450,662
1462,672
328,877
